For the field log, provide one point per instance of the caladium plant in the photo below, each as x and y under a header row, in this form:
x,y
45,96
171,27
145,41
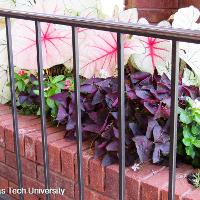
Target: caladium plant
x,y
157,54
56,40
82,8
101,54
186,18
147,115
4,71
110,7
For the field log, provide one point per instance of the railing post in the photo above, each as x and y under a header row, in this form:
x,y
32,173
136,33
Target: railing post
x,y
173,119
121,115
78,111
14,108
42,106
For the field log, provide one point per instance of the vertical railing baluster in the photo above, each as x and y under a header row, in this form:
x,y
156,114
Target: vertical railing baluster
x,y
173,119
42,106
78,111
13,100
121,115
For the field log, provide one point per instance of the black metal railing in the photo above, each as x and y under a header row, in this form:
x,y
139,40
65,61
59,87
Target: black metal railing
x,y
175,35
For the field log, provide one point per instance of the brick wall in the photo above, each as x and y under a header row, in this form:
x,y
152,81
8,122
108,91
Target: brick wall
x,y
149,183
158,10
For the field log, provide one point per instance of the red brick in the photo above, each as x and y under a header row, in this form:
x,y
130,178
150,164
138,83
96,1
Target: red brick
x,y
3,183
98,196
112,181
88,194
155,15
155,3
6,118
28,167
87,155
55,153
60,197
68,157
2,154
155,10
13,186
132,185
57,181
32,183
3,119
97,182
6,111
182,186
193,195
24,128
30,141
60,182
2,137
133,179
50,138
11,198
9,173
186,3
27,196
151,187
31,197
4,107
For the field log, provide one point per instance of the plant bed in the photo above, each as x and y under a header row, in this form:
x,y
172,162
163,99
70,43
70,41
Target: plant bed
x,y
149,182
147,63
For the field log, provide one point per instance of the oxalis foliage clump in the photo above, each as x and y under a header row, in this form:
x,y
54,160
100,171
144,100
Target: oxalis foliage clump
x,y
147,112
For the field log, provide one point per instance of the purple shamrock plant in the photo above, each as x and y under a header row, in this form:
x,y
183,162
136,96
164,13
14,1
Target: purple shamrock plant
x,y
147,113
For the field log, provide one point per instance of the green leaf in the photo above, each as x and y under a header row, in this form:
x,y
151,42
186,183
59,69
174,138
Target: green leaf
x,y
60,85
50,103
190,152
58,79
196,143
35,83
190,101
187,132
197,118
187,142
37,92
38,112
195,130
51,92
17,76
21,85
185,117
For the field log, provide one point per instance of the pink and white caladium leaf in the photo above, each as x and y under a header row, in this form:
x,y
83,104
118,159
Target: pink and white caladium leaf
x,y
4,70
128,16
157,53
16,4
99,54
186,18
108,8
190,53
89,8
56,40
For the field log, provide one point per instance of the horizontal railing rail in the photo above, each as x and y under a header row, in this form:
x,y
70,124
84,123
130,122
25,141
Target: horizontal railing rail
x,y
181,35
175,35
